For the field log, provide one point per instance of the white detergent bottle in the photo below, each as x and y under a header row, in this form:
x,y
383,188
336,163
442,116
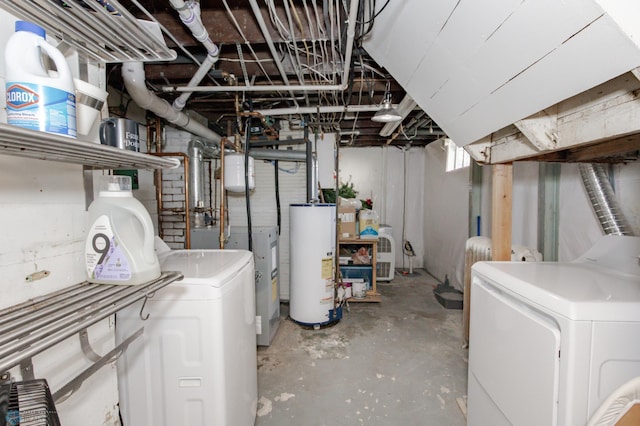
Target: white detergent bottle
x,y
120,242
38,99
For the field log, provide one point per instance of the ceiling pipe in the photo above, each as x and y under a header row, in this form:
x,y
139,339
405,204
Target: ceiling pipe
x,y
328,109
134,81
351,31
262,88
267,37
280,155
190,16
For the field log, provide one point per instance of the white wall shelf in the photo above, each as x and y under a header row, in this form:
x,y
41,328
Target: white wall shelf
x,y
45,146
98,34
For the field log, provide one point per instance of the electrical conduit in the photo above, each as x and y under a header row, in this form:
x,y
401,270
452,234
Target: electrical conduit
x,y
191,17
134,81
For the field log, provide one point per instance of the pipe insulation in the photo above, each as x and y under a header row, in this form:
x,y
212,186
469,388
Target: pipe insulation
x,y
190,16
603,200
134,81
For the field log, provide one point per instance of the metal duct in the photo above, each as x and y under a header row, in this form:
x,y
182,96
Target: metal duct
x,y
134,81
603,200
280,155
196,177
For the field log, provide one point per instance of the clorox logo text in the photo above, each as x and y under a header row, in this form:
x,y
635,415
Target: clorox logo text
x,y
19,96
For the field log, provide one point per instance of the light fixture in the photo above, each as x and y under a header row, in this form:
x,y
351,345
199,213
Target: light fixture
x,y
386,114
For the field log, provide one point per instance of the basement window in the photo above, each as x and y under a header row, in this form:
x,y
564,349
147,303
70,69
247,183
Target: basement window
x,y
457,157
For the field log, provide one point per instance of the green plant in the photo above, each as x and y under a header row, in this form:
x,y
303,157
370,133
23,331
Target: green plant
x,y
345,191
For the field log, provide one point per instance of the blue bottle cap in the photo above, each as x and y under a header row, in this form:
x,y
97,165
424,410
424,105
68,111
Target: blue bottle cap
x,y
30,27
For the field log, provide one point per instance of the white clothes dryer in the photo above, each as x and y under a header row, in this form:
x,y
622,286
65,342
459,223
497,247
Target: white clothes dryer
x,y
195,363
550,341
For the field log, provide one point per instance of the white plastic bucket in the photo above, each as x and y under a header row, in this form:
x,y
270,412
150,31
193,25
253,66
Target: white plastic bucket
x,y
359,289
89,102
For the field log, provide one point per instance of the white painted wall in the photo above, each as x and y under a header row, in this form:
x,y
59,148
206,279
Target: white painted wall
x,y
446,219
44,222
380,174
445,216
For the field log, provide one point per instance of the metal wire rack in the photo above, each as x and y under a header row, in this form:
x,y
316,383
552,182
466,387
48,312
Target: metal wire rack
x,y
28,403
45,146
101,31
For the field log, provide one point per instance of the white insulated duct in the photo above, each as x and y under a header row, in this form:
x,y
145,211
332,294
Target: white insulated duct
x,y
190,16
134,81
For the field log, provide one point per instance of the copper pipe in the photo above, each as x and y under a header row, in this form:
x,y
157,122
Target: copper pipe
x,y
149,135
185,160
269,129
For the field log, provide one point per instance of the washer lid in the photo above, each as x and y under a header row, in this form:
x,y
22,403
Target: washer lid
x,y
206,267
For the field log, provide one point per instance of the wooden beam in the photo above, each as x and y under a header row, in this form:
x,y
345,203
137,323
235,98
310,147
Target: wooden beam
x,y
607,112
501,207
541,129
609,151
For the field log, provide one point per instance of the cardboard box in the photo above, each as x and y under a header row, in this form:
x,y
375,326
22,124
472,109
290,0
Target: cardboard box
x,y
346,222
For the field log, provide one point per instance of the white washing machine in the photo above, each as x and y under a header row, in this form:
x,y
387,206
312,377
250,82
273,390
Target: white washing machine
x,y
195,364
550,341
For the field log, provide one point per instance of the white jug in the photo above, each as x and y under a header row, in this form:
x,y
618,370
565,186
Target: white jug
x,y
119,248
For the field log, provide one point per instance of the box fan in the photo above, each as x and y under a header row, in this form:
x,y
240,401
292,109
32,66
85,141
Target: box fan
x,y
386,254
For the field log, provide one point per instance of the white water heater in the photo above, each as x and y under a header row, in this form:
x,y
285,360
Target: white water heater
x,y
312,247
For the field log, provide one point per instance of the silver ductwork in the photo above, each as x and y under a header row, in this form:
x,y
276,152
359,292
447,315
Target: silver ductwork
x,y
603,200
196,176
280,155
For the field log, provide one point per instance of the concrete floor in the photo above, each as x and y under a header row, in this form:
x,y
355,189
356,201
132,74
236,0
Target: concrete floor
x,y
399,362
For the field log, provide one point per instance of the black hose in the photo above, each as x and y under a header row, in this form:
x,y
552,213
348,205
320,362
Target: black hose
x,y
277,184
247,133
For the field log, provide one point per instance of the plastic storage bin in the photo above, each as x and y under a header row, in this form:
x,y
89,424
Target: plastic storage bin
x,y
357,271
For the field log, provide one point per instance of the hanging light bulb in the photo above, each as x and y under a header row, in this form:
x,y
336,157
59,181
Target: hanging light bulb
x,y
387,113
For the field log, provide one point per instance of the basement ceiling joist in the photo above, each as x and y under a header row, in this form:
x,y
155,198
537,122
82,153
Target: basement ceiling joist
x,y
301,33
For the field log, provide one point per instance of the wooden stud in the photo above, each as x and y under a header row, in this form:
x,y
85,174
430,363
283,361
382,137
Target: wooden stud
x,y
501,211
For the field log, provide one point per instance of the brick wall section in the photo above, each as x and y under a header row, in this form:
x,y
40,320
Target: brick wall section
x,y
173,220
172,224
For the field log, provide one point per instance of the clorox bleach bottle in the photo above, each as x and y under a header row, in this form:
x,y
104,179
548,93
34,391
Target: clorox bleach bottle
x,y
37,100
120,242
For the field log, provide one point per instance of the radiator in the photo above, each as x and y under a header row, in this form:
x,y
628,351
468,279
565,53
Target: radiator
x,y
478,249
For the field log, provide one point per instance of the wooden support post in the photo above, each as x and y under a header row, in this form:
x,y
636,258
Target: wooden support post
x,y
501,211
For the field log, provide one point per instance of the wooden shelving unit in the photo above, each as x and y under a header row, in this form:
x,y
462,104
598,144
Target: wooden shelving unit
x,y
372,294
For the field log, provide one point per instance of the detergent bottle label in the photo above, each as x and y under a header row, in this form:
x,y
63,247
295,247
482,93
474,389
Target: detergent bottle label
x,y
43,108
105,258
